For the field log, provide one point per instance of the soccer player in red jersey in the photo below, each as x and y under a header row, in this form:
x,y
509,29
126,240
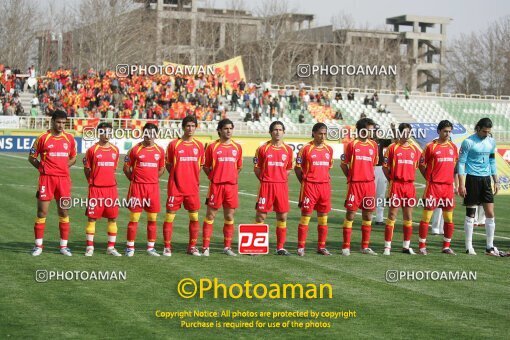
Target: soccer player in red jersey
x,y
273,163
223,162
399,166
312,167
143,166
99,164
57,151
437,165
358,162
184,160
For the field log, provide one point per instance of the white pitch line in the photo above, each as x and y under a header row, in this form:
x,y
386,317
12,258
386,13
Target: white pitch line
x,y
253,195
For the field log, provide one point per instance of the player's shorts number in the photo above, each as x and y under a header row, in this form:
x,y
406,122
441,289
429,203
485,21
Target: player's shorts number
x,y
306,200
43,189
351,198
171,199
262,200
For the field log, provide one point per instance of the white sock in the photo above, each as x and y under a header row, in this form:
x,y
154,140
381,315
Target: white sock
x,y
490,227
387,244
468,229
406,244
63,243
39,242
150,245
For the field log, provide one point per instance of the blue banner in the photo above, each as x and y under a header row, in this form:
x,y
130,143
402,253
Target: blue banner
x,y
24,143
427,132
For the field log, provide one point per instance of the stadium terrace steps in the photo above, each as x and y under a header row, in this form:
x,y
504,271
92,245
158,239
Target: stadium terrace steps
x,y
26,101
400,114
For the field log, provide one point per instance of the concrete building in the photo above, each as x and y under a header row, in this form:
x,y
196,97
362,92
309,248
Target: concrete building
x,y
425,50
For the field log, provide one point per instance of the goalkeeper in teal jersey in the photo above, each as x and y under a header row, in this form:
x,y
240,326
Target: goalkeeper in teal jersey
x,y
477,165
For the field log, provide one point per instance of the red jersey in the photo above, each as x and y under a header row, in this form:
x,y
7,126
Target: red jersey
x,y
402,161
315,162
225,160
361,157
145,162
102,162
55,151
186,158
274,162
440,161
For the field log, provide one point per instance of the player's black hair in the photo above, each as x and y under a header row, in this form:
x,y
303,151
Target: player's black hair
x,y
443,124
363,123
150,126
223,122
403,126
104,125
188,119
58,114
483,123
273,124
318,126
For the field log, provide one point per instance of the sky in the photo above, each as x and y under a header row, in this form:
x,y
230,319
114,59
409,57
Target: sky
x,y
468,15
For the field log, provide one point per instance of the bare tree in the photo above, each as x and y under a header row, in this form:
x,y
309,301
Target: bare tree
x,y
268,50
103,33
18,23
480,62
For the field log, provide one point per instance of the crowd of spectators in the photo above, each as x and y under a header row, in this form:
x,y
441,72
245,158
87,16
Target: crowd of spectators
x,y
208,97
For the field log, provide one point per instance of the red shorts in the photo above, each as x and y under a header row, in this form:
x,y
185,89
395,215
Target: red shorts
x,y
315,196
53,187
439,195
360,195
144,196
402,194
175,198
273,196
102,202
226,195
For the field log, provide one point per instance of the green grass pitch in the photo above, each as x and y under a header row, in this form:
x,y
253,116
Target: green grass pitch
x,y
126,309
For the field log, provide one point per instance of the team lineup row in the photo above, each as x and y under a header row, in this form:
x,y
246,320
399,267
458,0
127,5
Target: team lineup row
x,y
54,152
